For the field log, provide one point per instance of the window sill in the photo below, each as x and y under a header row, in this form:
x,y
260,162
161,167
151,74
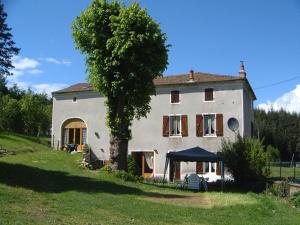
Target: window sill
x,y
208,100
210,136
176,136
175,103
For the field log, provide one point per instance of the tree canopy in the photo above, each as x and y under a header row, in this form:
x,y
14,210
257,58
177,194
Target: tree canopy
x,y
124,51
7,45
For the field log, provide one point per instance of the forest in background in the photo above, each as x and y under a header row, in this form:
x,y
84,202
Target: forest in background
x,y
23,111
279,129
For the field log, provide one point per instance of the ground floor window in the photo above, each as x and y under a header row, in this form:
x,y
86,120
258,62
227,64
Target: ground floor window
x,y
206,167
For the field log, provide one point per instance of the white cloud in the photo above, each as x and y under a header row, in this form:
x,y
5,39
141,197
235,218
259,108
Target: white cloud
x,y
58,62
289,101
25,66
35,71
23,63
48,87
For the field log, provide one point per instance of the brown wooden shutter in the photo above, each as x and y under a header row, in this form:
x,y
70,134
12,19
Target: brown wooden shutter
x,y
199,167
209,94
166,126
184,126
199,125
219,124
218,172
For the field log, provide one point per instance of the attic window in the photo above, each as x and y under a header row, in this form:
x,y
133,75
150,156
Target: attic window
x,y
175,97
74,99
209,94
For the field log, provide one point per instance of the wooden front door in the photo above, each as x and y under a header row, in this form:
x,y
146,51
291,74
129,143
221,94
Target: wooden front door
x,y
143,162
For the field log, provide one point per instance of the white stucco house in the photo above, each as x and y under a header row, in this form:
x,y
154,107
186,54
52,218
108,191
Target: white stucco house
x,y
188,110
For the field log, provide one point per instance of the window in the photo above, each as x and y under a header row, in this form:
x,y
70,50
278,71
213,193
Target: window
x,y
74,99
83,136
209,94
206,167
175,129
209,125
174,97
213,167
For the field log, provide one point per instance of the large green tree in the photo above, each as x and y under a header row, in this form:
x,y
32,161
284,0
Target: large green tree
x,y
7,45
124,51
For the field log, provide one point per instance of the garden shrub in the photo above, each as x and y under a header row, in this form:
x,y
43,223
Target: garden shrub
x,y
295,199
106,169
121,174
246,160
279,189
132,166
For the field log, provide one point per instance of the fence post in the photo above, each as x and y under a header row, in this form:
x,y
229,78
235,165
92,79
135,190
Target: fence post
x,y
280,171
294,170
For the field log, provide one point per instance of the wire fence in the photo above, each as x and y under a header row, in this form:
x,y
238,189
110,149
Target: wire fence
x,y
285,170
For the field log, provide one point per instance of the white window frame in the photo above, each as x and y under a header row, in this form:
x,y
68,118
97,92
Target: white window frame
x,y
210,164
175,103
215,127
213,94
180,134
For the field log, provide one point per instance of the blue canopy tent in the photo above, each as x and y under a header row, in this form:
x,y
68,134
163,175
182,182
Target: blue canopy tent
x,y
195,154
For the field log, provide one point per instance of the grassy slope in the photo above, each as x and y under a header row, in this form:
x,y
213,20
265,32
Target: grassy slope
x,y
42,186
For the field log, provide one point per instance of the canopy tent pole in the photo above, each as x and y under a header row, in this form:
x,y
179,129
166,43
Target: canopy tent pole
x,y
166,167
222,175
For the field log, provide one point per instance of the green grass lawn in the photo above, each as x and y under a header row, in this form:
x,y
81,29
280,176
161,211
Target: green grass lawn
x,y
39,185
286,172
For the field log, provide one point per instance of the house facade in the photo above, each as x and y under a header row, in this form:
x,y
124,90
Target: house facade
x,y
195,109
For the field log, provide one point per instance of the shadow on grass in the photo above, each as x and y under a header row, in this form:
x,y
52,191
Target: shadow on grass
x,y
40,180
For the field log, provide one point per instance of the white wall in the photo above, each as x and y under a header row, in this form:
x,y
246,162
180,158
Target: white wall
x,y
147,132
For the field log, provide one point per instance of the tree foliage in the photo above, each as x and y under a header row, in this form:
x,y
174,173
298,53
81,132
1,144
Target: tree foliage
x,y
25,112
124,51
7,45
245,159
280,129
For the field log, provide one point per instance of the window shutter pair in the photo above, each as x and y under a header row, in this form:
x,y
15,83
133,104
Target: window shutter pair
x,y
184,126
199,125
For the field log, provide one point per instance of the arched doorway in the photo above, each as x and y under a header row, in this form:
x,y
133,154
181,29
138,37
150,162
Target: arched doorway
x,y
74,131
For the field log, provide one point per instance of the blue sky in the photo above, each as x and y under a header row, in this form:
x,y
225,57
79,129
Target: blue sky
x,y
208,36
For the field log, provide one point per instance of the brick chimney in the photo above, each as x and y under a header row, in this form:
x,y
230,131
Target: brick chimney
x,y
242,71
191,75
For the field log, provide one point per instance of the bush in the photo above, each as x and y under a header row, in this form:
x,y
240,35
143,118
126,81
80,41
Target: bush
x,y
133,167
273,154
246,160
121,174
106,169
279,189
295,199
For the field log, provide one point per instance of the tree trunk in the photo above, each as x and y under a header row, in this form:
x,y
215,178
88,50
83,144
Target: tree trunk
x,y
118,152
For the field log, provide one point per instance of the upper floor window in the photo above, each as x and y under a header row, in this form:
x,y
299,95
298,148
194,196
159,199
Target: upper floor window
x,y
175,97
209,94
210,125
74,99
175,125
